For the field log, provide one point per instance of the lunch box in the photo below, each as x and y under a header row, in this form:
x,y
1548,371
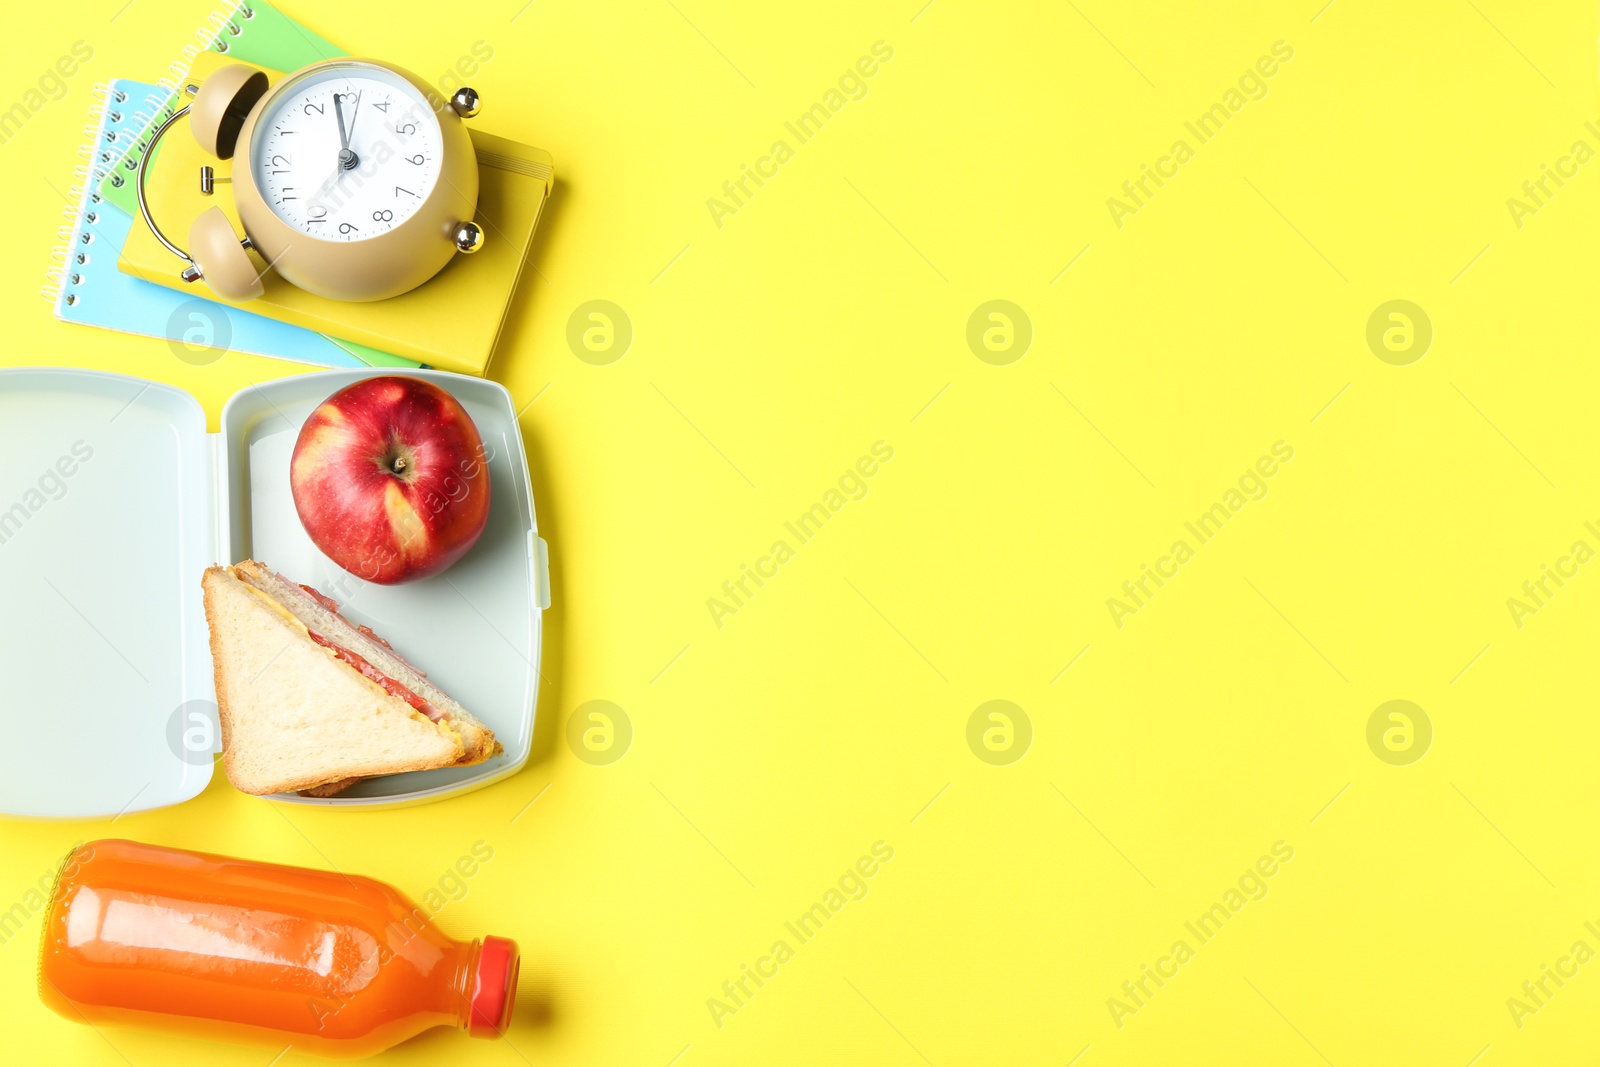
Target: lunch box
x,y
114,499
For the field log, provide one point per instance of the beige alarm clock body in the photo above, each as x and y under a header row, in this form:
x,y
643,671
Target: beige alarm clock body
x,y
352,178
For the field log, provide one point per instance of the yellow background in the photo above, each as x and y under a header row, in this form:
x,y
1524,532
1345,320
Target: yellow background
x,y
768,354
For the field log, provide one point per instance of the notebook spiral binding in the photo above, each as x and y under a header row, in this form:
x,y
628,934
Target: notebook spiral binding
x,y
213,36
70,242
128,159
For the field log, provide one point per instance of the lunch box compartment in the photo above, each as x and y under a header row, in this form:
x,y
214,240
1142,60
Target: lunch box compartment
x,y
119,499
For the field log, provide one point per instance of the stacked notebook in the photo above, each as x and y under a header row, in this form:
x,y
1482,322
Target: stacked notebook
x,y
112,272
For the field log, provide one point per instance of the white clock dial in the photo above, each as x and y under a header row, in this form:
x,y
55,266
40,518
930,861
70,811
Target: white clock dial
x,y
346,153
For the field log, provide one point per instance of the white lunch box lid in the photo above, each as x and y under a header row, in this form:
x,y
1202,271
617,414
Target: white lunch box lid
x,y
113,501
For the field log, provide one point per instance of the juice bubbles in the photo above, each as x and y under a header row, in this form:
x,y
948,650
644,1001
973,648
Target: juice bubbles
x,y
231,949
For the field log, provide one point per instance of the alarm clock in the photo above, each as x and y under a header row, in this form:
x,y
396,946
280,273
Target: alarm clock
x,y
354,180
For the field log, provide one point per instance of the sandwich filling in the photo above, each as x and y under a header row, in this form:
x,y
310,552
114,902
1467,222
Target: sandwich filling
x,y
390,686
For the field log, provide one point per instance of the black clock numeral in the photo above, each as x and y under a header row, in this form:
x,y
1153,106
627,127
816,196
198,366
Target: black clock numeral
x,y
315,107
384,215
345,227
419,159
288,161
381,105
406,128
400,189
321,212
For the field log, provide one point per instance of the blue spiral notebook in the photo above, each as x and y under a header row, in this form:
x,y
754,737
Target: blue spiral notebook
x,y
87,287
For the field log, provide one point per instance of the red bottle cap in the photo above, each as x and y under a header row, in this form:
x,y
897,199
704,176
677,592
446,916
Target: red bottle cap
x,y
494,987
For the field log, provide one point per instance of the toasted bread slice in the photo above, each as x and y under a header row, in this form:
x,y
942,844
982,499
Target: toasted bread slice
x,y
321,615
294,716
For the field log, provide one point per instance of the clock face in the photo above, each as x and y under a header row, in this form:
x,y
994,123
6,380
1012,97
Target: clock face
x,y
346,153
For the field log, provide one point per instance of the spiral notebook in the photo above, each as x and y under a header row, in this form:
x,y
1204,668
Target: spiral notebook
x,y
250,31
86,286
452,322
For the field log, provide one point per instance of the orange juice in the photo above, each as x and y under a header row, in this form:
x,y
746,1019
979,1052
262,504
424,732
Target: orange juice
x,y
233,949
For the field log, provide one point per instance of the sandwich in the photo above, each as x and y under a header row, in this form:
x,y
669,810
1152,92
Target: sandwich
x,y
311,703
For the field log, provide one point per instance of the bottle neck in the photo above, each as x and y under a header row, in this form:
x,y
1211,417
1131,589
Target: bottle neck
x,y
484,990
461,984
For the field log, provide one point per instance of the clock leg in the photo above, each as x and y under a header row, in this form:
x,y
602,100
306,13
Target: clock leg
x,y
468,237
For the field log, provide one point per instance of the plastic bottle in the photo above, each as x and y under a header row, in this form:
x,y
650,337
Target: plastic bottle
x,y
231,949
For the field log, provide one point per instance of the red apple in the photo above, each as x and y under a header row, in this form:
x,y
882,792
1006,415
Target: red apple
x,y
390,479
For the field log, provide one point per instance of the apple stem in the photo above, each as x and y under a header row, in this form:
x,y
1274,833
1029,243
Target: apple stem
x,y
399,464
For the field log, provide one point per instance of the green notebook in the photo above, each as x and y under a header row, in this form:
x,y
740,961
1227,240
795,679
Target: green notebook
x,y
251,31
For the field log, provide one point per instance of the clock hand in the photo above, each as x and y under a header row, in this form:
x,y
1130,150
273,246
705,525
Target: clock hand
x,y
338,113
353,113
347,158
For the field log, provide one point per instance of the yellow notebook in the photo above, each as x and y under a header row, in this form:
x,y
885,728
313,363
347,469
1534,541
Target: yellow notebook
x,y
451,322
